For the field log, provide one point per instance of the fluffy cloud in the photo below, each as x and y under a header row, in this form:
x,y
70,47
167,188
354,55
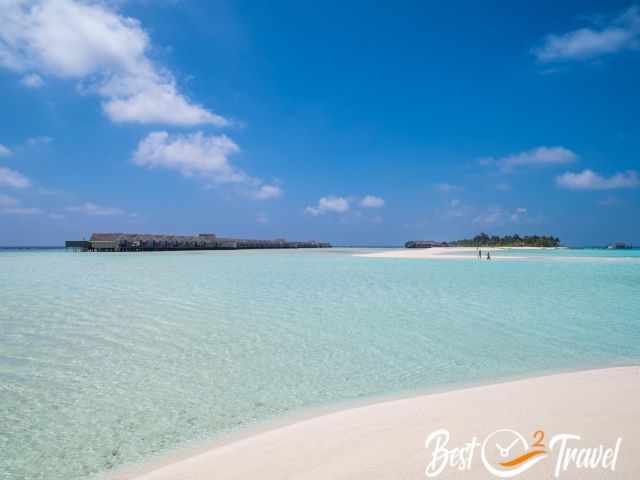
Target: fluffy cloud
x,y
11,178
266,192
621,33
334,204
589,180
192,154
4,151
91,42
371,201
540,156
329,204
204,156
156,102
33,80
92,209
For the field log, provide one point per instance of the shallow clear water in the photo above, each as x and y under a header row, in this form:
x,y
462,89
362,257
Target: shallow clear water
x,y
564,253
602,253
109,359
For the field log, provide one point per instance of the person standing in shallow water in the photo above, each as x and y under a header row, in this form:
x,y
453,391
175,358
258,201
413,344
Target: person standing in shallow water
x,y
488,255
480,253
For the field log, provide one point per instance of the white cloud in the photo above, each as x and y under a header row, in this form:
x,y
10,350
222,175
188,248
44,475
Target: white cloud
x,y
589,180
204,156
33,80
329,204
621,33
266,192
371,201
92,209
4,151
518,214
12,178
334,204
93,43
192,154
447,188
540,156
69,39
159,103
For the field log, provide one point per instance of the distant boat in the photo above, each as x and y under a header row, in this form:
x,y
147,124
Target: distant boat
x,y
618,246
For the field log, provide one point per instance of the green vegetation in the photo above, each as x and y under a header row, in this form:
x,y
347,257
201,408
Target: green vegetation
x,y
484,240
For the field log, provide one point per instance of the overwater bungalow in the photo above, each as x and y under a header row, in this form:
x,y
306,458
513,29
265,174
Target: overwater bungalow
x,y
134,242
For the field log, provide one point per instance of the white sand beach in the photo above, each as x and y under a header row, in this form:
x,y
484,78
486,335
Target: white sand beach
x,y
445,253
387,440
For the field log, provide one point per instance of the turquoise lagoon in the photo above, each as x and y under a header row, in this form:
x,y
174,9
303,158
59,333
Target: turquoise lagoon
x,y
114,359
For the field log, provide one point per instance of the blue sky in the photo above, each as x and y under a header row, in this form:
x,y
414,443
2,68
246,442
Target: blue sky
x,y
352,122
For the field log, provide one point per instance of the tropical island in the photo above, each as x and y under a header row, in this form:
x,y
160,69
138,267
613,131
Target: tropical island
x,y
515,240
484,240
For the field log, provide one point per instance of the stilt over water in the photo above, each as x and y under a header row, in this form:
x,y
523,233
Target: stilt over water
x,y
134,242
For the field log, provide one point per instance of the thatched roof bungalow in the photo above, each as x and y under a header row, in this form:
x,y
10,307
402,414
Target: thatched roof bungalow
x,y
118,242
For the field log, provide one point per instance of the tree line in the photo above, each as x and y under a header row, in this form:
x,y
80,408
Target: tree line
x,y
484,240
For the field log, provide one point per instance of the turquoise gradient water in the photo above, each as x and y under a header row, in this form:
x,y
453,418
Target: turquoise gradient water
x,y
562,253
111,359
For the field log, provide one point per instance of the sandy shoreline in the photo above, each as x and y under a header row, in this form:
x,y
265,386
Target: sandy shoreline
x,y
446,253
387,440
